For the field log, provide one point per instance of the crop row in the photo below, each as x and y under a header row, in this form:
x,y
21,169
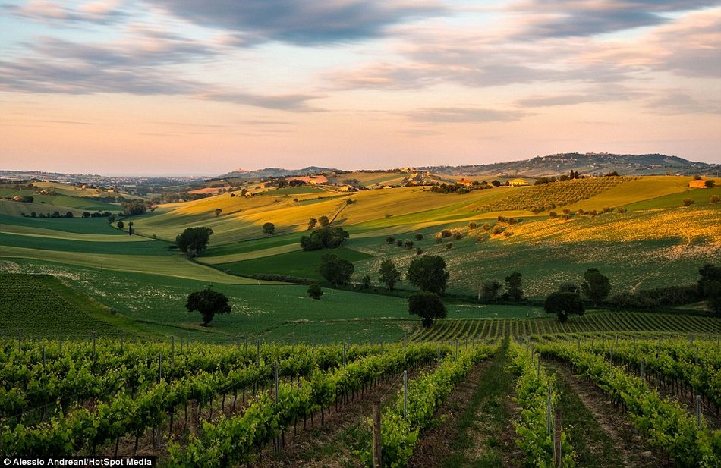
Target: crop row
x,y
666,424
238,439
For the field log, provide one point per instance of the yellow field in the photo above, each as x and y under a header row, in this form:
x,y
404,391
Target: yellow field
x,y
375,212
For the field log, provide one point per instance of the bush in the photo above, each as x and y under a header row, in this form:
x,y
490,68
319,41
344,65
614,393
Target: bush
x,y
687,202
268,228
390,240
713,199
419,236
449,246
472,226
314,291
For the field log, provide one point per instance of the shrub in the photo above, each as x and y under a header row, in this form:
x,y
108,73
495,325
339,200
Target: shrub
x,y
472,226
713,199
390,240
314,291
419,236
687,202
449,246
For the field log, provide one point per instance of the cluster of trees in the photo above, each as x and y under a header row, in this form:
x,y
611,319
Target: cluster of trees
x,y
326,237
69,214
491,290
134,207
562,178
568,301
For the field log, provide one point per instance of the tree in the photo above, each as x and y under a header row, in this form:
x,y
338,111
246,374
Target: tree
x,y
429,274
490,290
428,306
563,304
69,214
218,211
389,274
514,291
269,228
366,282
709,286
121,224
596,286
324,221
314,291
193,241
336,270
208,303
130,228
709,184
311,223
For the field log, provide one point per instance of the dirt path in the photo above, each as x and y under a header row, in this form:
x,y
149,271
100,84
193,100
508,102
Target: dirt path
x,y
600,434
474,426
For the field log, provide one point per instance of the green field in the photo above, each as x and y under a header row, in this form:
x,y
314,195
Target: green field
x,y
654,243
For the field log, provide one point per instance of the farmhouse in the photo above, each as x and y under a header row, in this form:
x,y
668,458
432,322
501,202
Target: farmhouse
x,y
518,182
697,184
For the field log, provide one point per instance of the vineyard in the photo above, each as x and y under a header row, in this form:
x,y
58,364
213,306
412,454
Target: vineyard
x,y
591,323
548,197
253,403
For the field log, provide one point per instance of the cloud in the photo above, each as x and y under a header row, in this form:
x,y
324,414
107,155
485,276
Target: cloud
x,y
464,115
100,12
568,18
604,93
301,22
678,102
137,63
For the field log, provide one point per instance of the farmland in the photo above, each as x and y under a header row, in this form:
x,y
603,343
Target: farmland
x,y
267,404
81,296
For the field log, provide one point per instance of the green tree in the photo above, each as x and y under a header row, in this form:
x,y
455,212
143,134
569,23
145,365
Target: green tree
x,y
130,228
709,184
389,274
429,274
336,270
563,304
514,289
323,221
193,241
314,291
311,223
208,303
709,286
490,290
121,224
596,287
269,228
366,282
428,306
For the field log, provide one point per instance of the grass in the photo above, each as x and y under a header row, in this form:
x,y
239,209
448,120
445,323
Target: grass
x,y
593,446
298,264
68,225
40,306
44,242
485,418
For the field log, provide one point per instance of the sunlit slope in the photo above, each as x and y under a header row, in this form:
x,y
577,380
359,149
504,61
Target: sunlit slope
x,y
406,209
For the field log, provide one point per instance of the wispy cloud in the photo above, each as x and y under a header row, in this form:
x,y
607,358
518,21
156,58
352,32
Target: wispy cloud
x,y
464,115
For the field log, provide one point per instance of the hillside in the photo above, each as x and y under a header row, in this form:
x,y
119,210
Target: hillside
x,y
585,163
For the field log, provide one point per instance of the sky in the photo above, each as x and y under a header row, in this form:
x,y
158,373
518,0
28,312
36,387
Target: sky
x,y
202,88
